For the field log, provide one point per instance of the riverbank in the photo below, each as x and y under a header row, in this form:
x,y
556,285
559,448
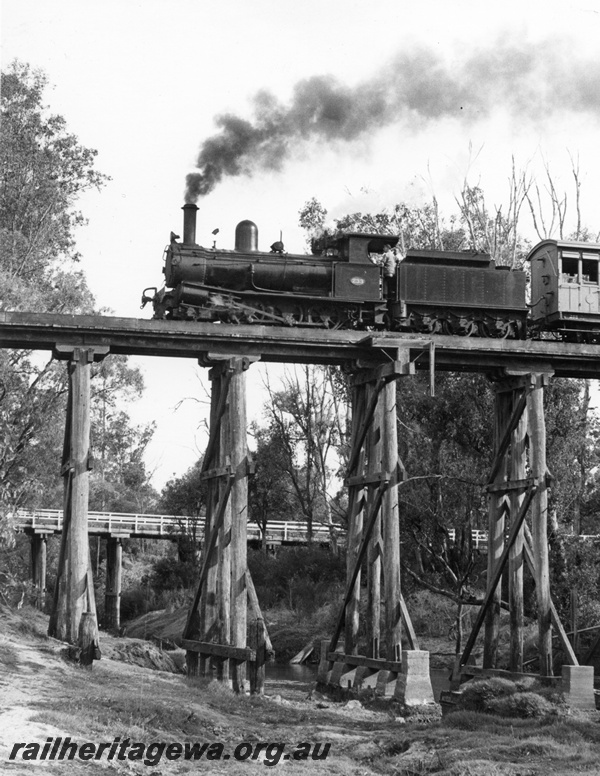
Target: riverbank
x,y
45,697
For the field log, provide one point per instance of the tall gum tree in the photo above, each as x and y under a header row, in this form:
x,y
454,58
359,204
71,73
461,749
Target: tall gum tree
x,y
43,171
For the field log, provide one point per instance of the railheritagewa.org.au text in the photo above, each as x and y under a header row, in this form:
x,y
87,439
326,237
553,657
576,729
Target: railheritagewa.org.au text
x,y
152,753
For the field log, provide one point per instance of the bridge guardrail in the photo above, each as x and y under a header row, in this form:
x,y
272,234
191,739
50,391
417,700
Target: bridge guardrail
x,y
163,525
159,525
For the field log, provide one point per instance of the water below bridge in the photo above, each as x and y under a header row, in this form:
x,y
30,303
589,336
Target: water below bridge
x,y
294,682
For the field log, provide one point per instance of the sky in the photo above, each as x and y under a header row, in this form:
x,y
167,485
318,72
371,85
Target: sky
x,y
368,103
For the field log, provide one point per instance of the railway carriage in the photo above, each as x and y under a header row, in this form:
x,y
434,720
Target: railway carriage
x,y
565,289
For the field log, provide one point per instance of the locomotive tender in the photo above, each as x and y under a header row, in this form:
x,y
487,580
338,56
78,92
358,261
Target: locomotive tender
x,y
343,284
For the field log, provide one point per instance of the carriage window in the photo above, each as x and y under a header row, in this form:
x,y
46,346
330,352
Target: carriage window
x,y
589,271
570,270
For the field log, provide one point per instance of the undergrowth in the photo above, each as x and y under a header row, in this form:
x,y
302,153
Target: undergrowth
x,y
503,697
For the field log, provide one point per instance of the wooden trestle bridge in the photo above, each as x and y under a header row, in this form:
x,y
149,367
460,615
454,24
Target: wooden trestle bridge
x,y
216,630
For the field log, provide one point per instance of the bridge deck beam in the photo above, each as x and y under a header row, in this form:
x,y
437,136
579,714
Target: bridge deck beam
x,y
183,339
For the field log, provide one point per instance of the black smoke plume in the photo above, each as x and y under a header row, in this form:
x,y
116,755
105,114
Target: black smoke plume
x,y
416,87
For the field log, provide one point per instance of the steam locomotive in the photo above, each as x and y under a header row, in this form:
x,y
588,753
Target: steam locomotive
x,y
343,284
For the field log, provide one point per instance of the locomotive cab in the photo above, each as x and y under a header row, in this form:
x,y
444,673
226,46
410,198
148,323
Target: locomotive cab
x,y
565,285
353,247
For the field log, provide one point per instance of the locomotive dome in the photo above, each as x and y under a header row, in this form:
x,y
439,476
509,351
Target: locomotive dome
x,y
246,236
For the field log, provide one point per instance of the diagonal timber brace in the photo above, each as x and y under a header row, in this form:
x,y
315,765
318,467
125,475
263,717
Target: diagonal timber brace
x,y
493,584
210,548
373,515
508,432
560,630
381,377
215,426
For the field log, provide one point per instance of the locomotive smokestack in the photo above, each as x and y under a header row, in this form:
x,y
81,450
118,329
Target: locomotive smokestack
x,y
189,224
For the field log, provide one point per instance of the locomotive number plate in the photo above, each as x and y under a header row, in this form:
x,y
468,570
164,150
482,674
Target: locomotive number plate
x,y
356,281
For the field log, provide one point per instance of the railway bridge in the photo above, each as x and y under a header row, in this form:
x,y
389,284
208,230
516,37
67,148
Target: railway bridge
x,y
216,631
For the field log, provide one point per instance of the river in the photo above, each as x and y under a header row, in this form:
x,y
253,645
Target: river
x,y
298,680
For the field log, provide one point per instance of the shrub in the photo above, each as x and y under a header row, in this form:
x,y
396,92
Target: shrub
x,y
434,615
523,699
479,694
522,705
171,574
135,601
302,578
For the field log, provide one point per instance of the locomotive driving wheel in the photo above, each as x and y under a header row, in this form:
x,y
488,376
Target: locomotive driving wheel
x,y
321,316
293,315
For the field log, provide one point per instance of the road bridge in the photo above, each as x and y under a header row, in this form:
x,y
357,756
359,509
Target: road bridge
x,y
141,526
144,526
40,524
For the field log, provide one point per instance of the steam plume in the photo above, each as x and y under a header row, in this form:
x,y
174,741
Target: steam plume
x,y
415,87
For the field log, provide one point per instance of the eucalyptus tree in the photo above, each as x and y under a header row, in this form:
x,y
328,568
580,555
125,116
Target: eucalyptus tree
x,y
44,169
306,421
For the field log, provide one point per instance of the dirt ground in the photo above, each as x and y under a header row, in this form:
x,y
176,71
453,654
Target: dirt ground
x,y
129,695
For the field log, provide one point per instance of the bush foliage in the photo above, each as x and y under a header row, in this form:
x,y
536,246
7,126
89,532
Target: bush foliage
x,y
302,578
503,697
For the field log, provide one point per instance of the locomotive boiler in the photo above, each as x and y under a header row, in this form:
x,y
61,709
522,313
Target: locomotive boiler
x,y
339,286
346,282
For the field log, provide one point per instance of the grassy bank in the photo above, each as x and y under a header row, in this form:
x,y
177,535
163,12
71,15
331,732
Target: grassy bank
x,y
45,696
